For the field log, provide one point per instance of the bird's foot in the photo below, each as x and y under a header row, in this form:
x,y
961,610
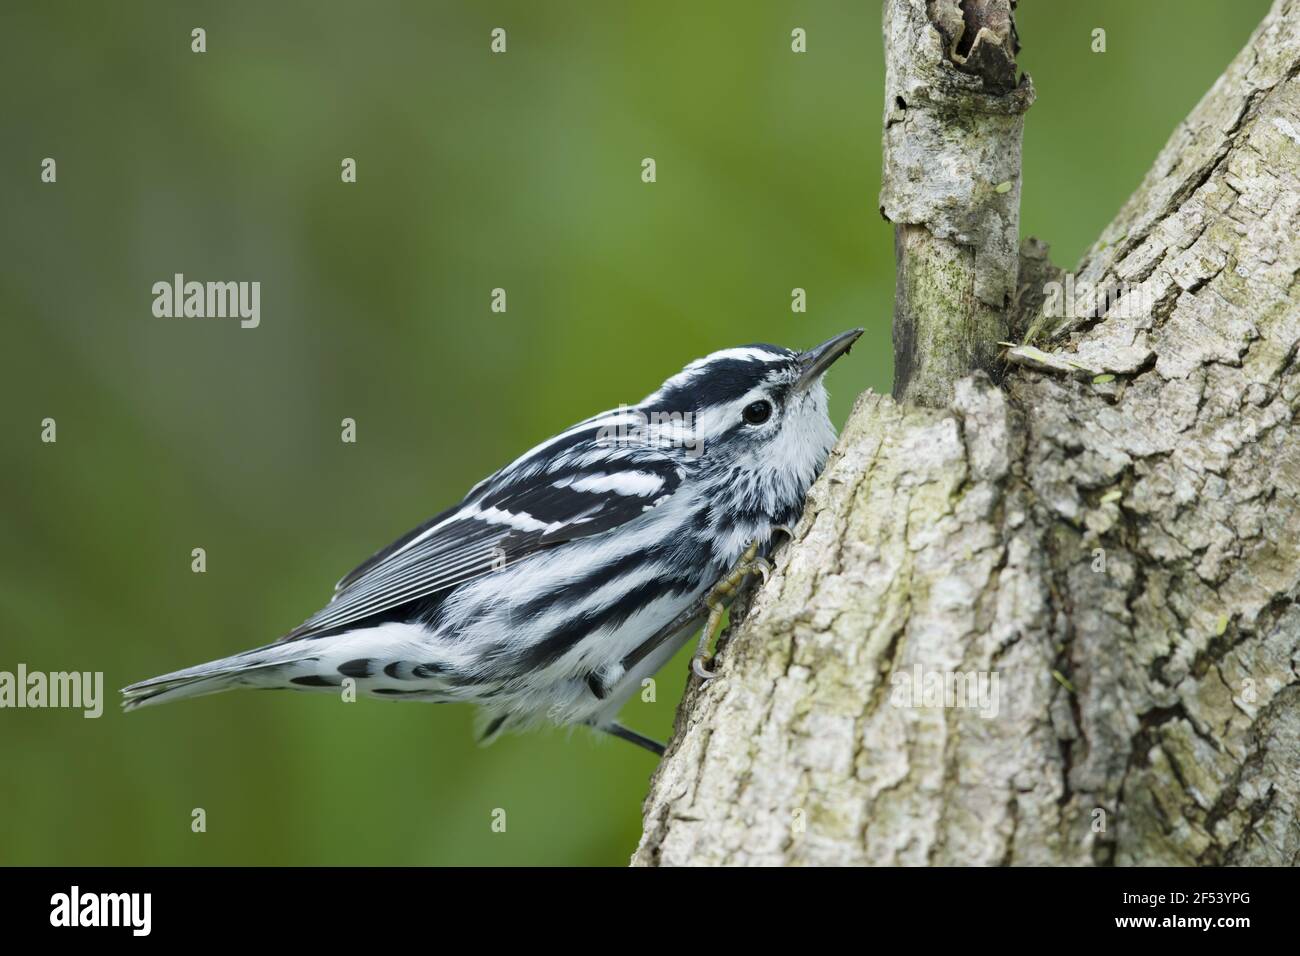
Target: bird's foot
x,y
723,591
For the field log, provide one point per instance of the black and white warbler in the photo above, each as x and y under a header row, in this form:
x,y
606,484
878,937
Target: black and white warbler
x,y
563,580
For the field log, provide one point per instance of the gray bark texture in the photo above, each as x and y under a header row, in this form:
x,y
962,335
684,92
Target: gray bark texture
x,y
1121,551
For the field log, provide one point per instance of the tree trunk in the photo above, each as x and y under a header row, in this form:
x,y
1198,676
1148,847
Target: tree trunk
x,y
1100,554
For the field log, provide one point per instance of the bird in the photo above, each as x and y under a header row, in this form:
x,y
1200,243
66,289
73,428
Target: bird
x,y
563,580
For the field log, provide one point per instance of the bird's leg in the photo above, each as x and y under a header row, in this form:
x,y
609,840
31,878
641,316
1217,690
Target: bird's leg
x,y
631,736
749,563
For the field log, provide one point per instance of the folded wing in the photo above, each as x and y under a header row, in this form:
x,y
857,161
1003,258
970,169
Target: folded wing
x,y
572,487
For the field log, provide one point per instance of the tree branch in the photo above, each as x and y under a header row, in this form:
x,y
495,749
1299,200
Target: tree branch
x,y
954,113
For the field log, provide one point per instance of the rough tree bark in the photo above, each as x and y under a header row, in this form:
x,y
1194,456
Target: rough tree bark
x,y
1113,531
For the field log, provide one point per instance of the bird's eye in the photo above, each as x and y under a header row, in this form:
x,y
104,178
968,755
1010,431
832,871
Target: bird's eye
x,y
757,412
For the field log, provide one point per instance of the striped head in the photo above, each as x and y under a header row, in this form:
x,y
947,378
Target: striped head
x,y
754,411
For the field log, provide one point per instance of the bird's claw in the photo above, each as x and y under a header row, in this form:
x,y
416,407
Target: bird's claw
x,y
698,668
749,563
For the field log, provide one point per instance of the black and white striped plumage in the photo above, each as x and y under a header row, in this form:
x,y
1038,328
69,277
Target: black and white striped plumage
x,y
536,596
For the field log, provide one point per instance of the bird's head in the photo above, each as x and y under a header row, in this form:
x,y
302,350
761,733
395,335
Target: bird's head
x,y
758,409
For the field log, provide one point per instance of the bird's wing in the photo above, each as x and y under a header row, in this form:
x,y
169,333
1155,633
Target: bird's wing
x,y
556,493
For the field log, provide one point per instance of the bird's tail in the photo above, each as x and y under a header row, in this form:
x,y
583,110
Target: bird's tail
x,y
260,667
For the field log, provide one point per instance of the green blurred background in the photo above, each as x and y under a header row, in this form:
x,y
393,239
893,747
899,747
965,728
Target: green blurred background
x,y
475,171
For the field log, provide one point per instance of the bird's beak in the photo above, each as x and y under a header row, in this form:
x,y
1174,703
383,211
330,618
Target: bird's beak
x,y
817,360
